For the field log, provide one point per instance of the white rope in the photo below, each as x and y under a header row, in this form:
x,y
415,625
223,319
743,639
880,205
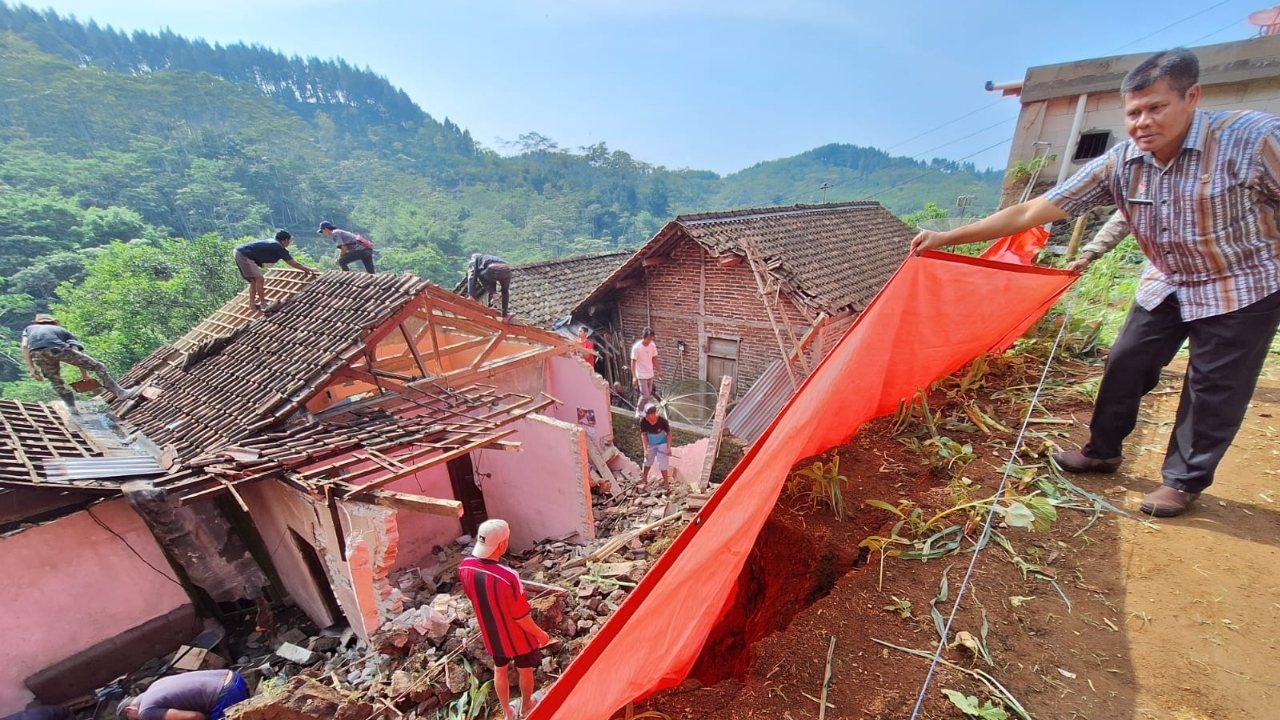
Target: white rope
x,y
986,528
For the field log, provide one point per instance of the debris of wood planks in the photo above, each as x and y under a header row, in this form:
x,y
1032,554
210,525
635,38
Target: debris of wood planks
x,y
717,430
416,503
600,467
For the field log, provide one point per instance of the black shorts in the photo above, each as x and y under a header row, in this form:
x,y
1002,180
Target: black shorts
x,y
530,659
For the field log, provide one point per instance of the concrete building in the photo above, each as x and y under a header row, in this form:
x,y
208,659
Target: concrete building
x,y
1072,112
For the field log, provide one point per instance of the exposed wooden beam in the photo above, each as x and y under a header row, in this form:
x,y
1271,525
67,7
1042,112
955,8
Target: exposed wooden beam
x,y
488,349
414,503
625,283
434,460
412,342
655,260
729,261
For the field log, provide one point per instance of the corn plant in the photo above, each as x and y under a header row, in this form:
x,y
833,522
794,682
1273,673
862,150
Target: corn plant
x,y
472,704
823,483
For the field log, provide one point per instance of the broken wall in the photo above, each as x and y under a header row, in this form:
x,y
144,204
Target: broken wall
x,y
420,532
370,541
357,577
583,396
278,509
72,584
543,490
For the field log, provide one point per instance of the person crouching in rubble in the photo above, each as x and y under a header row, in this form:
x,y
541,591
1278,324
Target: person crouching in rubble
x,y
199,695
510,634
46,345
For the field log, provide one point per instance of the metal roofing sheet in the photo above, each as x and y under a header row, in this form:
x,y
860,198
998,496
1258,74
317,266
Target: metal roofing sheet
x,y
74,469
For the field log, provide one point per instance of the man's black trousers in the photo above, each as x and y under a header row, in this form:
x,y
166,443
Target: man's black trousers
x,y
1227,354
359,254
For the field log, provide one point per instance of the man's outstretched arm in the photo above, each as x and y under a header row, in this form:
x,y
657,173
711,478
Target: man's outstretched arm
x,y
1008,221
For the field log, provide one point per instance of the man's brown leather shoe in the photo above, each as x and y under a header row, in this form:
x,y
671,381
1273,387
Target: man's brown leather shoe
x,y
1077,462
1165,501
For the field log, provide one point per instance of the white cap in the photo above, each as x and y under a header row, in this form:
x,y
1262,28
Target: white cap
x,y
489,536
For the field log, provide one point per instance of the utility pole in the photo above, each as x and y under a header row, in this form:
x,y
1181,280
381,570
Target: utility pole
x,y
824,187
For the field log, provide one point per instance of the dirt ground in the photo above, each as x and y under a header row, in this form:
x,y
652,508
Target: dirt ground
x,y
1104,616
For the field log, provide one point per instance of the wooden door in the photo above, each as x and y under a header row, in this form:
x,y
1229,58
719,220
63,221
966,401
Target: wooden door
x,y
463,478
722,360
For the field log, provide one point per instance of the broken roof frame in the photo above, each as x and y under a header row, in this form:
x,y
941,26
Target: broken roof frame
x,y
412,396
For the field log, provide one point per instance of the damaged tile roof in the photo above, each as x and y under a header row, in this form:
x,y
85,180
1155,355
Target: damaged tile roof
x,y
33,433
827,257
545,292
256,375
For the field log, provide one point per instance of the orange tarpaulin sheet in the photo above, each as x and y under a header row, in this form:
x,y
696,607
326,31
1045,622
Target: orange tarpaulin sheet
x,y
1019,249
936,314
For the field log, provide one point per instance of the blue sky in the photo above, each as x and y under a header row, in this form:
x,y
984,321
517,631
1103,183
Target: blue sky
x,y
709,84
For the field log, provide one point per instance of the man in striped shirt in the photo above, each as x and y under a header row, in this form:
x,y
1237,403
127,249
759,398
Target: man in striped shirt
x,y
1201,193
510,634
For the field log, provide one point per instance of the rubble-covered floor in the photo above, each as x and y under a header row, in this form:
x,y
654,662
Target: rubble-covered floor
x,y
421,661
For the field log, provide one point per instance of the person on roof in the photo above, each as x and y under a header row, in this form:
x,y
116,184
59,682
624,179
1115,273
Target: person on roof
x,y
1199,190
46,345
484,274
198,695
251,256
655,438
352,247
502,610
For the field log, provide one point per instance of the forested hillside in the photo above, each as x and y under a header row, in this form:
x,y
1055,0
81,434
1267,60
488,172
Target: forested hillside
x,y
131,164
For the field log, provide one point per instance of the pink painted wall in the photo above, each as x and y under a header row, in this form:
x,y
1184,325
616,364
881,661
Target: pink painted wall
x,y
572,381
277,508
70,584
686,462
527,379
371,539
420,532
543,490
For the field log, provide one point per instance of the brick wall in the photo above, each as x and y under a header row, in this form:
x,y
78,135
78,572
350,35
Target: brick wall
x,y
692,299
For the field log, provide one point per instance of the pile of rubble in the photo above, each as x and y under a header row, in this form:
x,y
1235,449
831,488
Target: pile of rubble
x,y
422,659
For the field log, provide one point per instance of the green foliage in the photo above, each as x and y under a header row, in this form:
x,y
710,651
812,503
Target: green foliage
x,y
112,144
970,706
901,184
823,483
472,704
930,211
136,296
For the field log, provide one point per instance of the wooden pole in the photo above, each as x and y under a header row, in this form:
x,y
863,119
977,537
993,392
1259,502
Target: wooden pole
x,y
1077,232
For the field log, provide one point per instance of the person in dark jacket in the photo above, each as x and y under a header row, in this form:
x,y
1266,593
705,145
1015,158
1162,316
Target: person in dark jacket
x,y
251,256
484,274
46,345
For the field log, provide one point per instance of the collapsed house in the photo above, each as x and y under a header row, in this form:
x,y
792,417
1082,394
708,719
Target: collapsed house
x,y
758,295
311,452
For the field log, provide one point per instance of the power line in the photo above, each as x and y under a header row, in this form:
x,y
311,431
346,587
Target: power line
x,y
120,537
926,172
1172,24
945,124
920,156
1202,38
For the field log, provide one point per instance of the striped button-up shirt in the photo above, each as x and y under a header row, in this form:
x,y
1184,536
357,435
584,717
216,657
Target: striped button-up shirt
x,y
1208,222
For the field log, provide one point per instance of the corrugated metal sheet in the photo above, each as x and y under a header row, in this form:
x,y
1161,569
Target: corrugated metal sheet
x,y
76,469
762,403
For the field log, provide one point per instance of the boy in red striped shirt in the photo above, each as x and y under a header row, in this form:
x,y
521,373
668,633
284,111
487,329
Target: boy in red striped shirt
x,y
502,611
